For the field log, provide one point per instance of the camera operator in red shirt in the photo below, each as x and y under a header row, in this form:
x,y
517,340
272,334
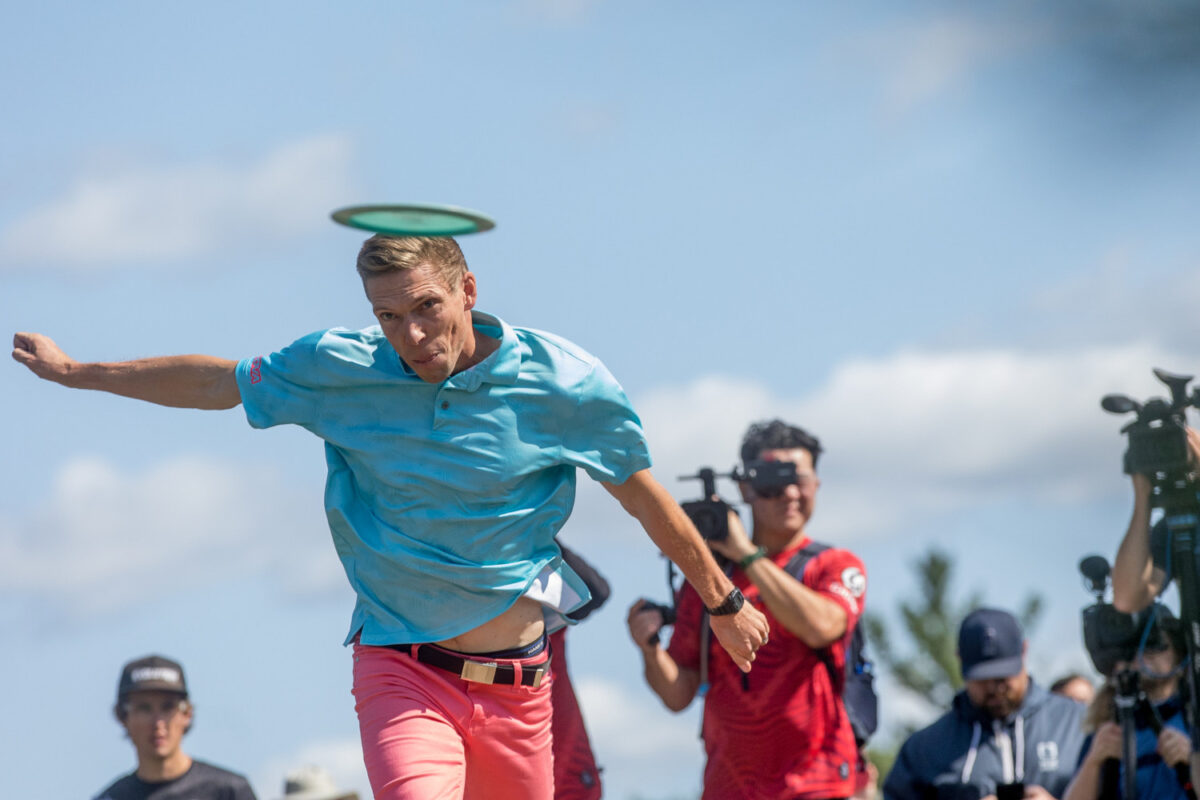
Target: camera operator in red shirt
x,y
781,731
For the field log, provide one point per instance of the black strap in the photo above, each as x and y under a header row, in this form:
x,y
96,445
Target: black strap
x,y
471,669
795,568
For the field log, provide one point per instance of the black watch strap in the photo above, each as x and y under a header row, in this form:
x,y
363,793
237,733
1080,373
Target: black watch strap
x,y
730,605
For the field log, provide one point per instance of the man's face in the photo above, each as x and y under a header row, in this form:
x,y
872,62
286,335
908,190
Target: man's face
x,y
790,511
427,322
156,722
999,697
1157,667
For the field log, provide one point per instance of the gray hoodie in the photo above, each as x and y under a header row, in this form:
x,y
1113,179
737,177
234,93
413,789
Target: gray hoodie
x,y
966,753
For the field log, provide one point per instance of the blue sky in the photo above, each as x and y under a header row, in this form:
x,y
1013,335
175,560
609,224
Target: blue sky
x,y
933,235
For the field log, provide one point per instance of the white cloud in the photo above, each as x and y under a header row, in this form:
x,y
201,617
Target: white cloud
x,y
342,759
625,726
157,213
643,749
103,540
925,62
923,432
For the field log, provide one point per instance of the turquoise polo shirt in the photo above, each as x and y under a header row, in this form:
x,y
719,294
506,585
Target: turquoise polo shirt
x,y
444,499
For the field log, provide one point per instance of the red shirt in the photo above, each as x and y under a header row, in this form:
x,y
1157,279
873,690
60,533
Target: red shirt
x,y
779,731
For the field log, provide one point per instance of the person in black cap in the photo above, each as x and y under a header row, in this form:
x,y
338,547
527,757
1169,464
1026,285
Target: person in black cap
x,y
1004,737
153,707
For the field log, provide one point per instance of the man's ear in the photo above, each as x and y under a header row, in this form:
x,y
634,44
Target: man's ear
x,y
470,290
746,491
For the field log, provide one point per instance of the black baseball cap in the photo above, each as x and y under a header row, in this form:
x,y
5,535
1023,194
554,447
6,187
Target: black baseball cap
x,y
991,644
151,674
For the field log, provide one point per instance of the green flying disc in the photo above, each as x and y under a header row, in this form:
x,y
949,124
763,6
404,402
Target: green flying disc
x,y
414,220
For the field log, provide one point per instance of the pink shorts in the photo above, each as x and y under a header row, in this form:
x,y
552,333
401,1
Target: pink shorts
x,y
428,734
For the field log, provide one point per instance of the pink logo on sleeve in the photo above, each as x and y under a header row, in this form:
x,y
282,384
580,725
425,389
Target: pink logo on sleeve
x,y
256,370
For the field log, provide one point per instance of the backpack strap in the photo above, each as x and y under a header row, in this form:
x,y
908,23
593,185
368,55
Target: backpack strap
x,y
795,568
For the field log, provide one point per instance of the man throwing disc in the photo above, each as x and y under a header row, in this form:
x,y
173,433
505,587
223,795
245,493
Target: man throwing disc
x,y
451,440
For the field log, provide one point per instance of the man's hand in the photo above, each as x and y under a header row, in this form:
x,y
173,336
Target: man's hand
x,y
42,356
1106,744
1174,746
741,634
1035,792
644,624
1193,438
737,544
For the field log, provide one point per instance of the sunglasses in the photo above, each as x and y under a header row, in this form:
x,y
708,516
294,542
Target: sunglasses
x,y
803,480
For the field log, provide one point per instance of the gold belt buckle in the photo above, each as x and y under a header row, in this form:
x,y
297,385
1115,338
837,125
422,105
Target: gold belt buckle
x,y
537,677
479,671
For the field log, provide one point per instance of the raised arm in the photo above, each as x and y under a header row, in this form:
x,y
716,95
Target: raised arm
x,y
1135,579
191,381
674,685
668,527
809,616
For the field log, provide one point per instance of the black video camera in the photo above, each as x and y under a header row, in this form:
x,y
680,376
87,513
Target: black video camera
x,y
1112,636
711,514
1158,445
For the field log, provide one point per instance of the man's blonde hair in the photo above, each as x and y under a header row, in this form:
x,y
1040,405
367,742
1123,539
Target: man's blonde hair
x,y
382,254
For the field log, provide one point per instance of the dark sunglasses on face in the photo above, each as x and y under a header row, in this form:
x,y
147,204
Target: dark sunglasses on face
x,y
803,480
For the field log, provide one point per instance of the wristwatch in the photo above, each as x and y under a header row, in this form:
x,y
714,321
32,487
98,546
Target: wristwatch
x,y
730,605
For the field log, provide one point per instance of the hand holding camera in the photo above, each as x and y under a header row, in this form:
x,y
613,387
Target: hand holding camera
x,y
646,619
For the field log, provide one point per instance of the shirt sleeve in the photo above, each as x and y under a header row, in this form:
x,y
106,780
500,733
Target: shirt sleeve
x,y
282,387
840,576
604,436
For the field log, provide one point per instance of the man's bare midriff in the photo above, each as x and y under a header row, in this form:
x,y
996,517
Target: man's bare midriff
x,y
518,626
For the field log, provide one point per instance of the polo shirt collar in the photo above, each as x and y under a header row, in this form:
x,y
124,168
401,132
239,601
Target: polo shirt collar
x,y
501,367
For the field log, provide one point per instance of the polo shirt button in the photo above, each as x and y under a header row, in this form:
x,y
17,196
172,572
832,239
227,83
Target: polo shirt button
x,y
445,404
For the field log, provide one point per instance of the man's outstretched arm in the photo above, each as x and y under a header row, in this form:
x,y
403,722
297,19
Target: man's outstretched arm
x,y
808,615
191,381
669,528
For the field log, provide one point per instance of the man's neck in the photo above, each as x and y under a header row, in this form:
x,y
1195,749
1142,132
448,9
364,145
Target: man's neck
x,y
157,770
480,348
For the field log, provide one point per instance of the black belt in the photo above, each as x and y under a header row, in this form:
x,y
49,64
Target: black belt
x,y
475,671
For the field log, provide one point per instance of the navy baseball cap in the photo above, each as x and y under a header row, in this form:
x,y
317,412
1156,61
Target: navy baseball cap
x,y
991,644
151,674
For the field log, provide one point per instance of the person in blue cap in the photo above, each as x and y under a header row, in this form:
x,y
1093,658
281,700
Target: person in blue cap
x,y
1005,737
